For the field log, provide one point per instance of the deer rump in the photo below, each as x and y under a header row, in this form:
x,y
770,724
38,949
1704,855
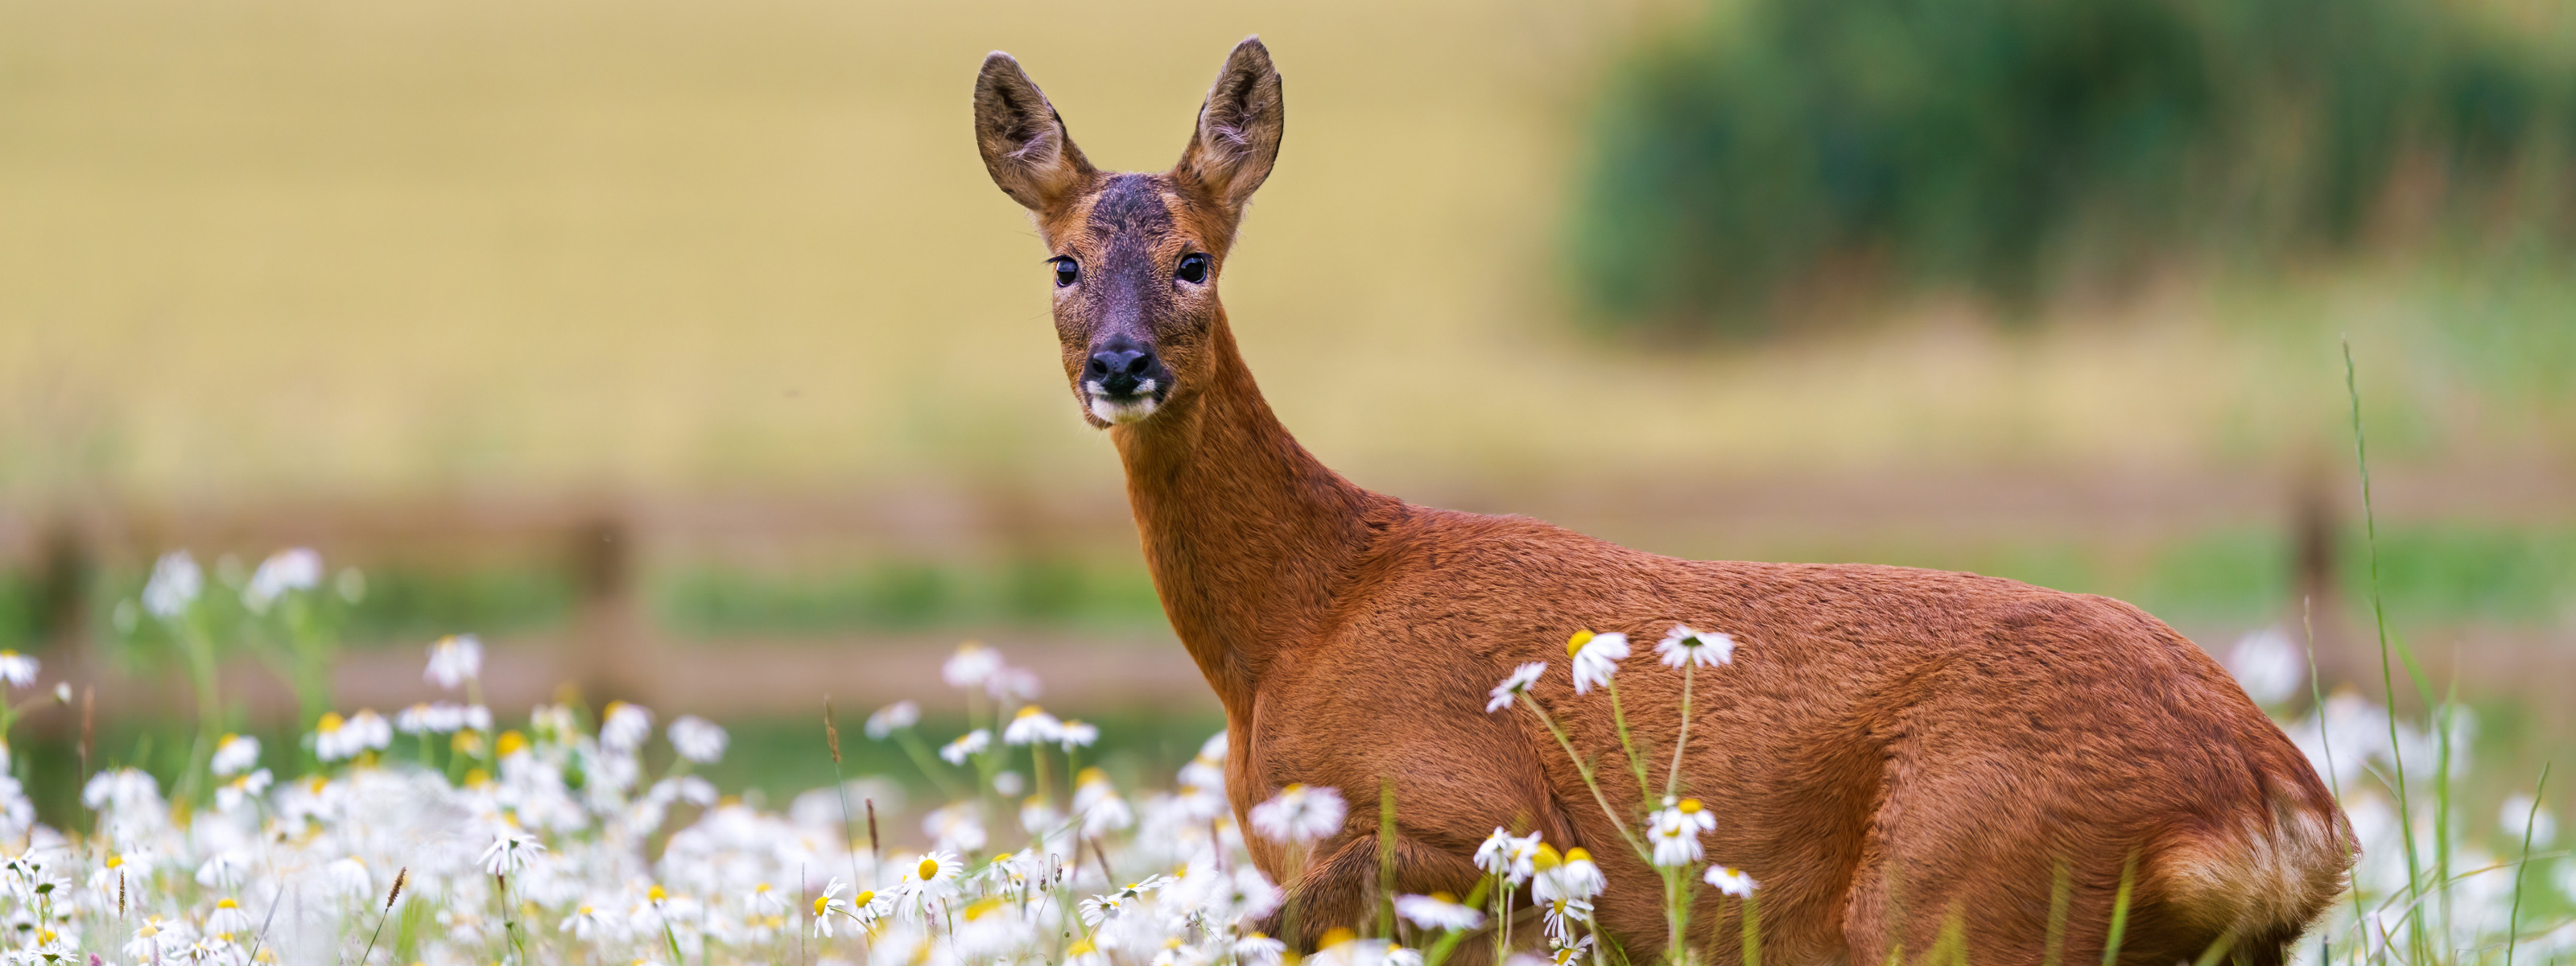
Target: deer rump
x,y
1907,760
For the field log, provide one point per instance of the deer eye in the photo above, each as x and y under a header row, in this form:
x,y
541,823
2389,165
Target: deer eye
x,y
1193,268
1067,271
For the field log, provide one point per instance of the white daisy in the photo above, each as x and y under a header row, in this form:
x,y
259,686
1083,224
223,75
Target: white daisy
x,y
1596,658
1733,882
1513,858
971,665
284,571
17,669
1682,645
1438,910
1674,830
697,739
1516,685
1032,726
234,754
1299,813
893,718
625,727
454,660
966,746
175,584
509,853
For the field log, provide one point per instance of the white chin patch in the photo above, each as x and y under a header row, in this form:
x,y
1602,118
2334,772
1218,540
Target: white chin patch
x,y
1128,410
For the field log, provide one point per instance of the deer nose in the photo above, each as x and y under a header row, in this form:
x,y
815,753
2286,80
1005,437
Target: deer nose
x,y
1120,370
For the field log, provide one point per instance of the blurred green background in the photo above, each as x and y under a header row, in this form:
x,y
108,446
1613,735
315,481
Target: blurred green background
x,y
687,355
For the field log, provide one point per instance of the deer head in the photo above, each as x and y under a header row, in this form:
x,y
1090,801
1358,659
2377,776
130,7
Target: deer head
x,y
1135,257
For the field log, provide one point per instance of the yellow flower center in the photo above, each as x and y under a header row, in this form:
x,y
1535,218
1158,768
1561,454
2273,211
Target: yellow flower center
x,y
1689,806
1577,854
1029,711
821,903
331,722
1444,897
981,908
1575,643
655,894
1546,858
1335,937
510,741
864,897
227,904
929,868
115,860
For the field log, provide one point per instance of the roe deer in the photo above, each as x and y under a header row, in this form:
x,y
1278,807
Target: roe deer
x,y
1892,752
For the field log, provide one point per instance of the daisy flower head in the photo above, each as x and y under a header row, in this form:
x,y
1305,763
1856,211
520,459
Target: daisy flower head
x,y
1299,814
234,754
1513,858
625,727
1514,686
1102,908
587,922
1568,955
697,739
1596,657
1580,877
223,870
1403,956
971,666
232,794
1255,949
1731,881
509,852
17,669
286,570
1561,917
349,878
893,718
829,905
228,918
175,583
934,876
454,660
1032,726
149,939
1674,830
966,746
1438,910
1078,734
1682,646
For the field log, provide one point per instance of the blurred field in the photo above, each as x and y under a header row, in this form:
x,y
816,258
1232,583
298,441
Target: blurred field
x,y
273,250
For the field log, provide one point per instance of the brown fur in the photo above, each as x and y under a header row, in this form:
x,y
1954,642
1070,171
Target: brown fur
x,y
1892,749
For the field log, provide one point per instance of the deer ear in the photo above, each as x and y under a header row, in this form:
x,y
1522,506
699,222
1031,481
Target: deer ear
x,y
1239,128
1024,143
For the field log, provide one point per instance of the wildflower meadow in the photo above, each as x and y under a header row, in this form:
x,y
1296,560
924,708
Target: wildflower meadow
x,y
444,834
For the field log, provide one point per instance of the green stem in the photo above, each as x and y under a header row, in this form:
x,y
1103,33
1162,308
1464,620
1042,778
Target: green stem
x,y
1619,716
2387,675
1673,778
1585,769
2513,918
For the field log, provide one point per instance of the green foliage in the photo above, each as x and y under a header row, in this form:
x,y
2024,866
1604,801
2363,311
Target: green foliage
x,y
906,594
2002,144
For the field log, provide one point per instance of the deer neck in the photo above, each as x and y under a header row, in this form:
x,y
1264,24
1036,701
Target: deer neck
x,y
1247,535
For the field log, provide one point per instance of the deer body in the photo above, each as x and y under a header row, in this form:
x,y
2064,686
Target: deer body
x,y
1892,751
